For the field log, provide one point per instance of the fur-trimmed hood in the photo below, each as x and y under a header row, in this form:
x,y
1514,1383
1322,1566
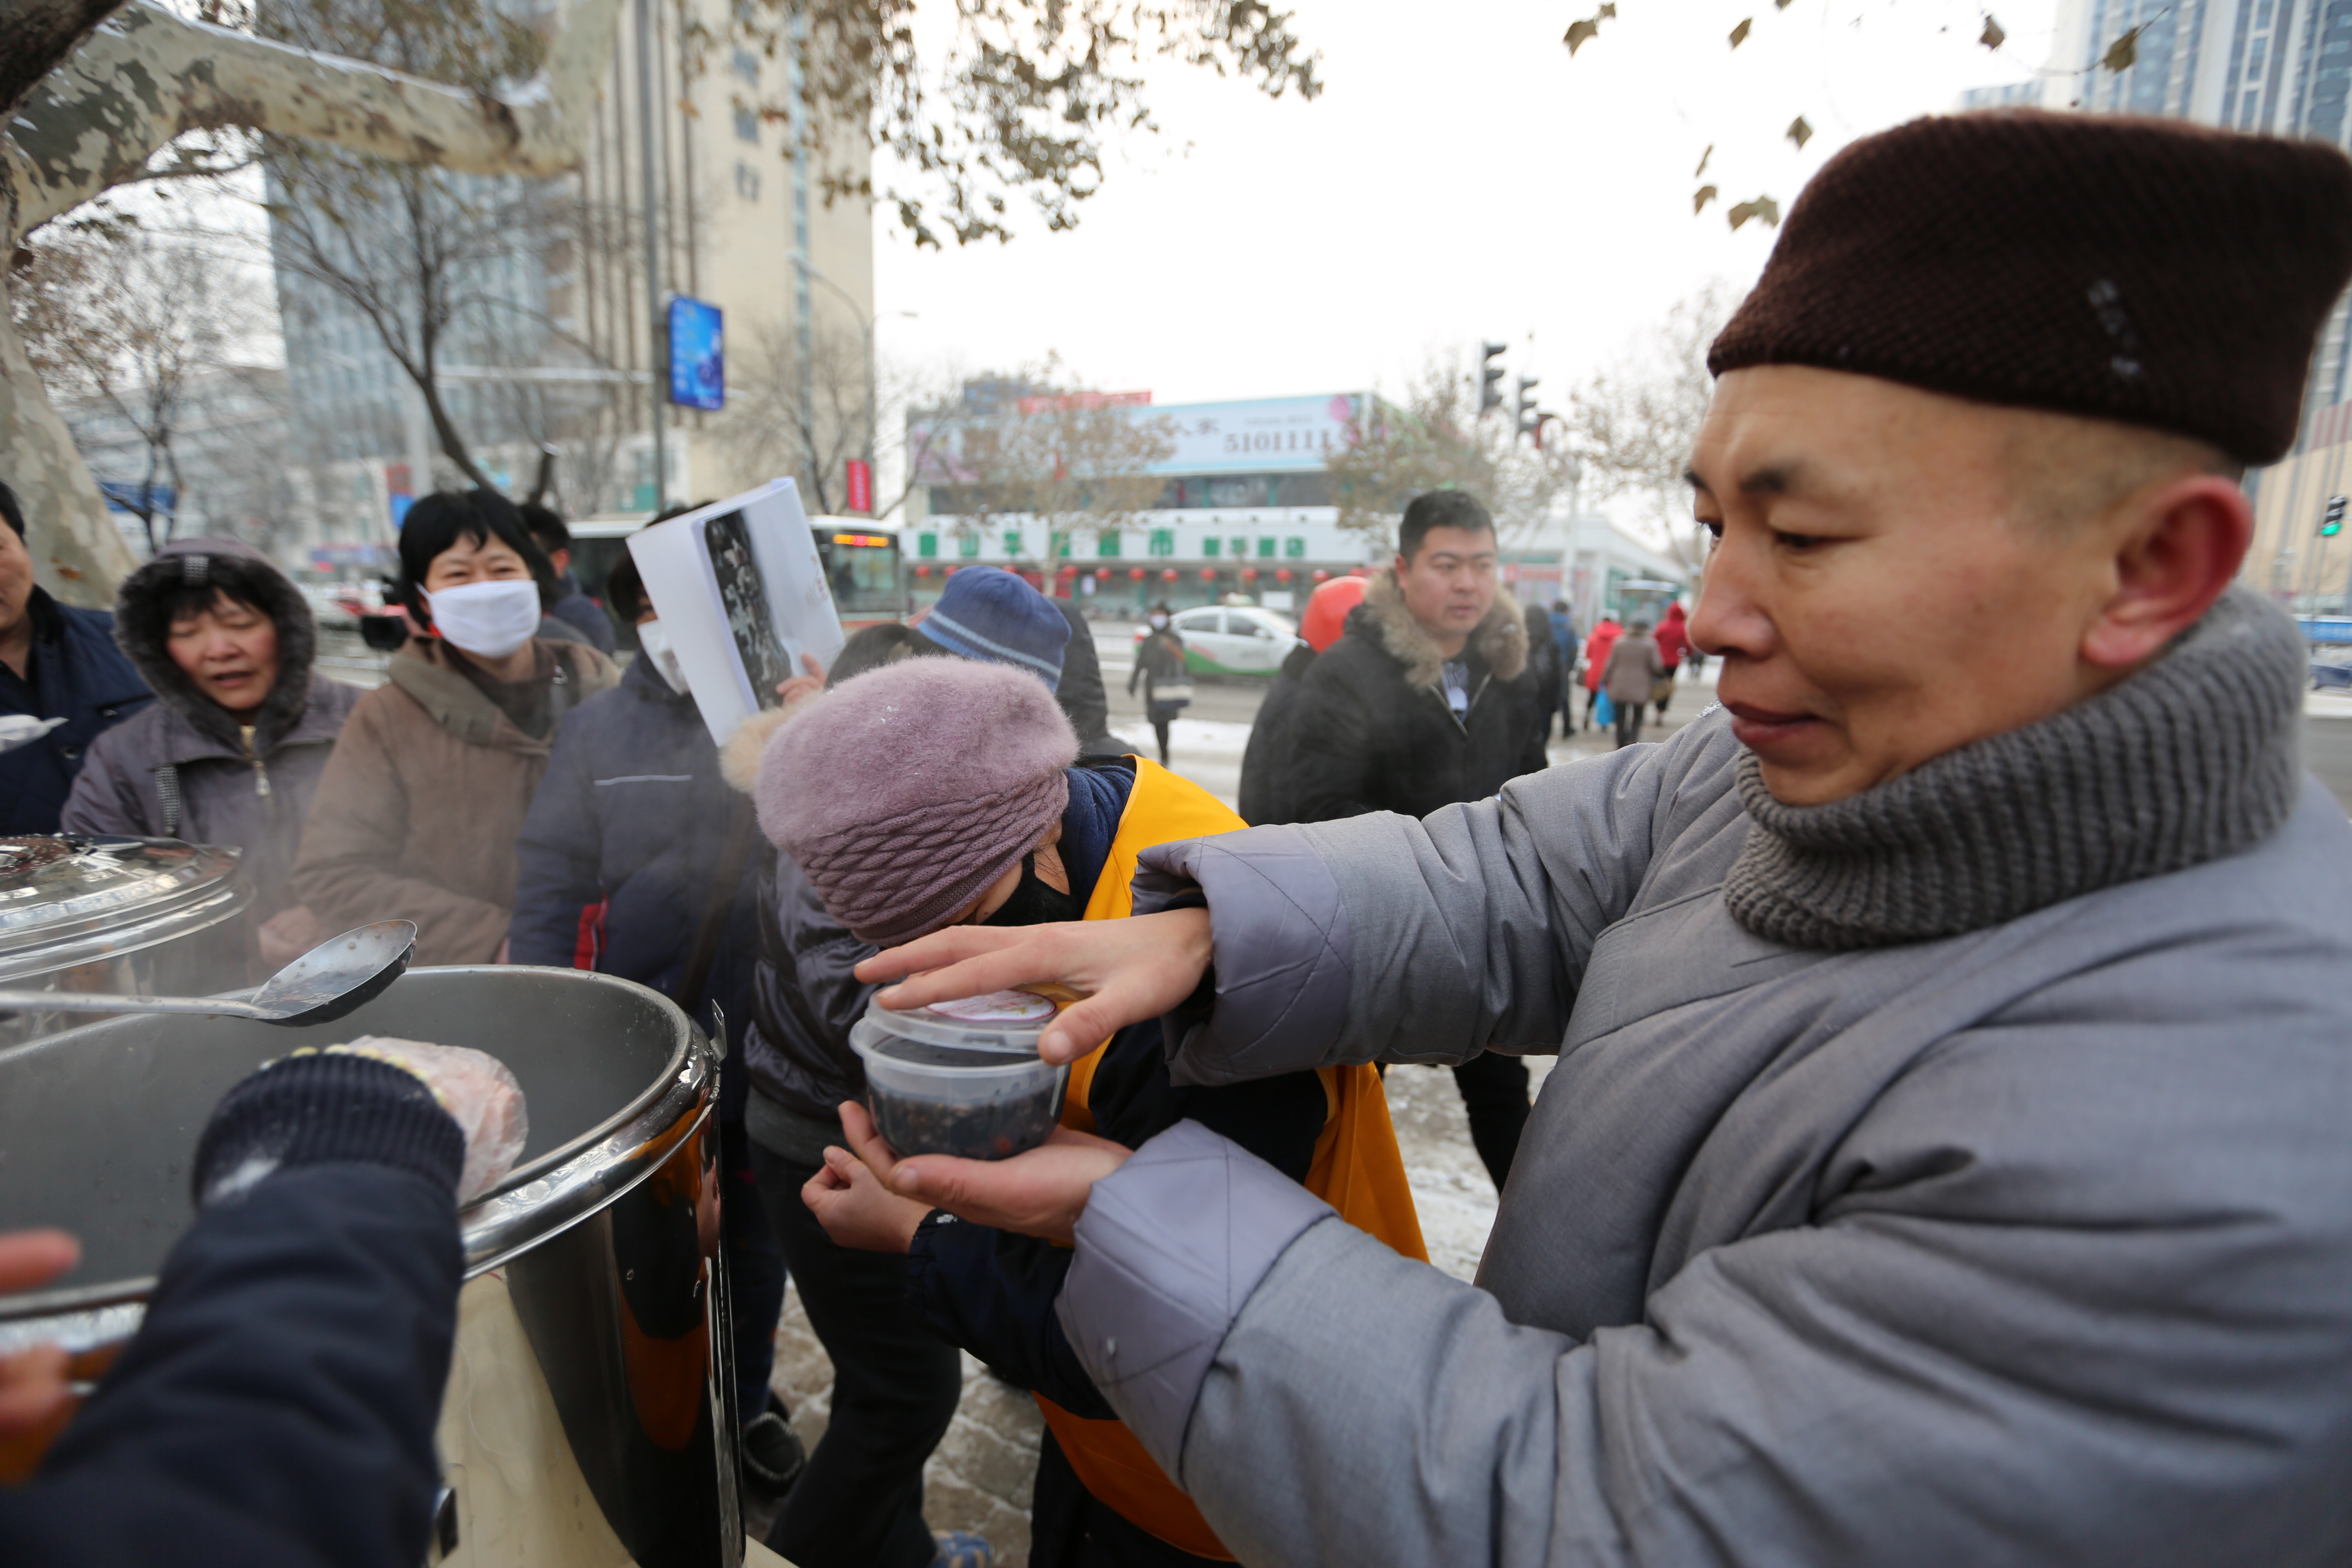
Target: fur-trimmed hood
x,y
1501,639
144,635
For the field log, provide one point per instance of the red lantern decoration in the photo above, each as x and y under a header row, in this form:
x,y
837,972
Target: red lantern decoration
x,y
1169,574
1067,572
922,571
1135,574
1208,573
1102,573
1321,576
1249,573
1282,574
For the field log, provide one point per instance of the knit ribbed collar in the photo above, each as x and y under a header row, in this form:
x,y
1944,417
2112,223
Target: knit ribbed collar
x,y
2195,757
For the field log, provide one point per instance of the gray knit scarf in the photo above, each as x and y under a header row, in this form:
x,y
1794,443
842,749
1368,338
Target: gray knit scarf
x,y
2197,756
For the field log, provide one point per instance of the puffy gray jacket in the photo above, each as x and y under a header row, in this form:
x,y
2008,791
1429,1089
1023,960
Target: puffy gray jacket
x,y
2033,1244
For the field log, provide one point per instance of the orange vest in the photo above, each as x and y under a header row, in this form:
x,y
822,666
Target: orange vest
x,y
1357,1169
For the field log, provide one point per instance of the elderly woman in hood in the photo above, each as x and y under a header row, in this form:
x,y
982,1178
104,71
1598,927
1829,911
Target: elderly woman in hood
x,y
425,794
232,750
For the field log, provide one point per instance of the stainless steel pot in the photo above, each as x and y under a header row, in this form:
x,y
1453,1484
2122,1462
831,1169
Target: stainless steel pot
x,y
139,915
589,1415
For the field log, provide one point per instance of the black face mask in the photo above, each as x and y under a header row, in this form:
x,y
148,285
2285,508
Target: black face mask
x,y
1035,901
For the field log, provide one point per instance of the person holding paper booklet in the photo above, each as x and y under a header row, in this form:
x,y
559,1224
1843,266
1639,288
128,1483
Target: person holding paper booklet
x,y
424,797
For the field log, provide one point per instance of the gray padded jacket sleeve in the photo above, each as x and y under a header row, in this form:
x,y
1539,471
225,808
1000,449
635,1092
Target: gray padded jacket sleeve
x,y
1168,1247
1383,939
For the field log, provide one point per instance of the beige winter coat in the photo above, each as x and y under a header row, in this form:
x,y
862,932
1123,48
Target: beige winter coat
x,y
421,802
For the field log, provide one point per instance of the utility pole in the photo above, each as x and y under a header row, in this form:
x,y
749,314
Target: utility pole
x,y
655,317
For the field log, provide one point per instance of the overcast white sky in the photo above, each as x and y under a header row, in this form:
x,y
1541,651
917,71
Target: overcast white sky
x,y
1460,177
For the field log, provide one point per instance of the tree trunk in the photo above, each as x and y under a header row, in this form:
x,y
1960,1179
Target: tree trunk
x,y
77,552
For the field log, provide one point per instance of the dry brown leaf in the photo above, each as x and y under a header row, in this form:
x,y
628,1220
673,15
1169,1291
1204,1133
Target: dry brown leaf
x,y
1704,194
1992,38
1607,11
1764,209
1799,132
2124,53
1704,160
1581,34
1740,34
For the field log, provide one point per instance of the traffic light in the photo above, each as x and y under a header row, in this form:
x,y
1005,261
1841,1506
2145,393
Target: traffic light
x,y
1489,375
1530,422
2332,523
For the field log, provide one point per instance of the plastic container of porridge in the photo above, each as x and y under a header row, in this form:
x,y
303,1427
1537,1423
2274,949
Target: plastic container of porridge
x,y
962,1078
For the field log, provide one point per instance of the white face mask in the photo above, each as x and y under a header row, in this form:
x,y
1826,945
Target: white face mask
x,y
490,620
654,640
1159,620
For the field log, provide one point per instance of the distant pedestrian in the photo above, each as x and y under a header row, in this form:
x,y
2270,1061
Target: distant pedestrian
x,y
233,749
570,604
1630,676
1544,669
1605,633
1563,636
1167,681
1266,793
419,810
1674,646
1426,701
62,680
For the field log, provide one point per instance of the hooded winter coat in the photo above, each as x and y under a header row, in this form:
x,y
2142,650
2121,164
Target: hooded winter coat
x,y
77,674
1373,727
1605,633
424,799
182,768
1673,638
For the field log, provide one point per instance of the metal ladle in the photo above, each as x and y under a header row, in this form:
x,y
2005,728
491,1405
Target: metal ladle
x,y
333,978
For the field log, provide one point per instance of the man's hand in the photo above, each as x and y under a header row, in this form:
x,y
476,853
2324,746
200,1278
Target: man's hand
x,y
1129,970
478,1091
33,1382
792,688
1041,1193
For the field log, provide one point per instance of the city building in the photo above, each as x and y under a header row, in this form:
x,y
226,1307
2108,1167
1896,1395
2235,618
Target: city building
x,y
562,348
2278,67
228,431
1243,512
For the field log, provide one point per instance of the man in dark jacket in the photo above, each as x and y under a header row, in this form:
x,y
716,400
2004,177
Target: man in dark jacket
x,y
1426,702
1084,701
573,606
632,838
278,1404
55,663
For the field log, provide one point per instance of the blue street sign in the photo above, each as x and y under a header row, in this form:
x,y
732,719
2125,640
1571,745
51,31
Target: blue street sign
x,y
698,362
122,495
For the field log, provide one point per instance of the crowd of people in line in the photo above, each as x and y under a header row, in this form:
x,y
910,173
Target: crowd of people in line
x,y
1916,1183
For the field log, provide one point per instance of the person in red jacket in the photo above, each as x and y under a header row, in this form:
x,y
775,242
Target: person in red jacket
x,y
1674,646
1605,633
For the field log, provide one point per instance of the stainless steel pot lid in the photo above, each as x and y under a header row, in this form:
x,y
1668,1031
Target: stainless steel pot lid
x,y
77,898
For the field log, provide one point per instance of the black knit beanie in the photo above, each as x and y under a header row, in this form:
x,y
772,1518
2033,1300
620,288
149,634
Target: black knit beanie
x,y
2150,272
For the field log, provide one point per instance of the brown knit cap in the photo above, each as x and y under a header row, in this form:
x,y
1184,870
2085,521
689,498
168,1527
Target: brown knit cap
x,y
2149,271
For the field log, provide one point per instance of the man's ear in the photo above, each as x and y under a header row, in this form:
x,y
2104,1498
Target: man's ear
x,y
2179,553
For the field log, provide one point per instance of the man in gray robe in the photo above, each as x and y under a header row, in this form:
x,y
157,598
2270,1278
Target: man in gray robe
x,y
1949,1156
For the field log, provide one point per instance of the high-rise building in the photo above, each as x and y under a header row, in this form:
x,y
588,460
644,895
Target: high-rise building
x,y
558,342
2283,67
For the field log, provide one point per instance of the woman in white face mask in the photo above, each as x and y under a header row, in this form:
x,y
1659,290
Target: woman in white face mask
x,y
419,808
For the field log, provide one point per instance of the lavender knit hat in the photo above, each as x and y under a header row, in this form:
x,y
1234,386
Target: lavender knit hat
x,y
903,793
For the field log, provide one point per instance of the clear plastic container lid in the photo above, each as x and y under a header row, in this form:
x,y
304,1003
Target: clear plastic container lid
x,y
1008,1023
